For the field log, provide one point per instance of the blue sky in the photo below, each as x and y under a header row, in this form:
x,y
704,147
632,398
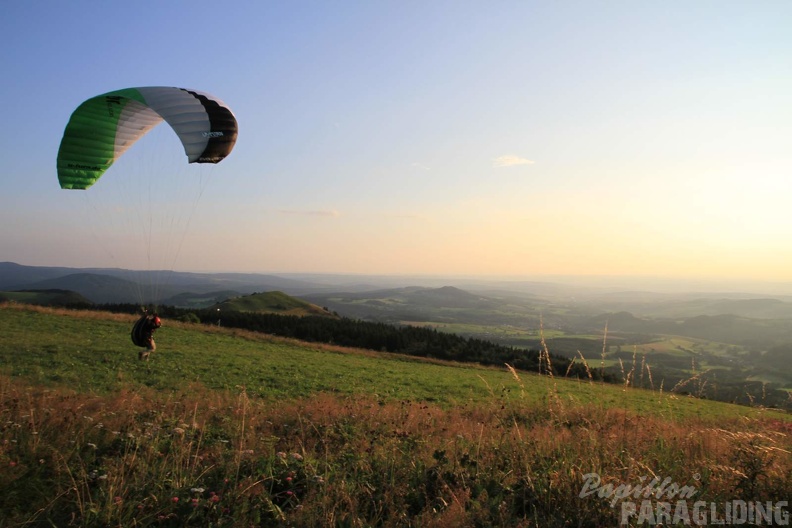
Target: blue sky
x,y
462,138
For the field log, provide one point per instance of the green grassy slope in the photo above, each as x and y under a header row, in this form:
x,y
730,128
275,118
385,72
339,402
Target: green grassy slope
x,y
91,351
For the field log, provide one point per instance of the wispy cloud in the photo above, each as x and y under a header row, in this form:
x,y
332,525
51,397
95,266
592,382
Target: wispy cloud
x,y
308,212
420,166
510,161
406,216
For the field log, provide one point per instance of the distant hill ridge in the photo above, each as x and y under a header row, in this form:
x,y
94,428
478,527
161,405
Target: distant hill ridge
x,y
168,287
96,288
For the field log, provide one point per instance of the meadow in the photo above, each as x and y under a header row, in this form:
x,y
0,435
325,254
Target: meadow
x,y
511,333
230,428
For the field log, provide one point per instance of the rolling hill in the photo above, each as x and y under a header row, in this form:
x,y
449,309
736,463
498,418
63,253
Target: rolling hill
x,y
45,297
200,300
271,302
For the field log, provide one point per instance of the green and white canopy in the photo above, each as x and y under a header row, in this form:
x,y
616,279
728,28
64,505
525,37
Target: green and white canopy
x,y
102,128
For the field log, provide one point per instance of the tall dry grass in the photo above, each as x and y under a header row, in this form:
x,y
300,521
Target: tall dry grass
x,y
208,458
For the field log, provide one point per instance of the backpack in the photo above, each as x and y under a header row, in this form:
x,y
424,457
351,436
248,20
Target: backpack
x,y
139,332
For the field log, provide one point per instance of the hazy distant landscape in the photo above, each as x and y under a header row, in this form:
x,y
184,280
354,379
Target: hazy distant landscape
x,y
735,346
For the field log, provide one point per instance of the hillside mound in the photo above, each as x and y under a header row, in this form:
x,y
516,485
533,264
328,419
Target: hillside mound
x,y
271,302
50,297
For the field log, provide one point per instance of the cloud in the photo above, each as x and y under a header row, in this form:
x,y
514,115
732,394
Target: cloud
x,y
510,161
420,166
330,212
406,216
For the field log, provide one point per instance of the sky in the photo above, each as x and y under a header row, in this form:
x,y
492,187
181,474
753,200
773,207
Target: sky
x,y
506,138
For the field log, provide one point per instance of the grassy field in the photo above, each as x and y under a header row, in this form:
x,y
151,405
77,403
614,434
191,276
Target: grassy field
x,y
686,346
21,296
493,332
230,428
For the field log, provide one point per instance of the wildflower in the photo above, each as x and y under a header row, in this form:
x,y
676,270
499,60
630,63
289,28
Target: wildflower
x,y
175,500
178,430
197,490
296,456
195,503
215,498
91,445
117,499
288,479
280,454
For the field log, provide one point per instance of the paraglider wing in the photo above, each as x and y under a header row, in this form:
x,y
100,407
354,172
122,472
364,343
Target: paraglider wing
x,y
102,128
